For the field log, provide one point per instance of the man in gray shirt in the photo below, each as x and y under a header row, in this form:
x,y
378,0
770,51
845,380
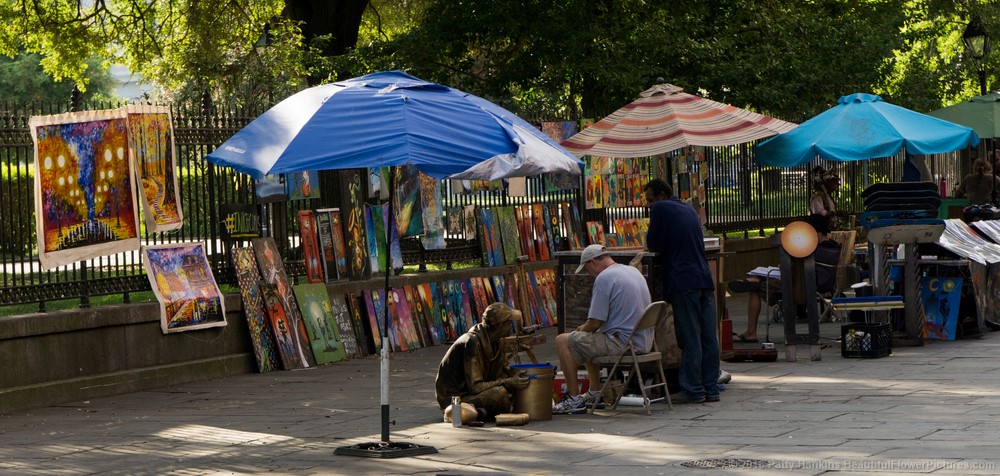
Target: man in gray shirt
x,y
618,300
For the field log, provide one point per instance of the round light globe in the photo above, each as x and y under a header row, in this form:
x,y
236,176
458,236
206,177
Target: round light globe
x,y
799,239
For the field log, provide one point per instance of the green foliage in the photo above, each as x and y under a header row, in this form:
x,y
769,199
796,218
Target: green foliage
x,y
23,82
17,236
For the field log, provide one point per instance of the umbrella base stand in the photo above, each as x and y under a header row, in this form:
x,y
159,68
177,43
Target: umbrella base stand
x,y
385,449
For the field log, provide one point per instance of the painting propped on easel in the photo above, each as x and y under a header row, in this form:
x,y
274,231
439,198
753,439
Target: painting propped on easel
x,y
151,144
85,202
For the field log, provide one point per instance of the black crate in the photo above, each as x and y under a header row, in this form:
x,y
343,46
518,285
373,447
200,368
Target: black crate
x,y
866,341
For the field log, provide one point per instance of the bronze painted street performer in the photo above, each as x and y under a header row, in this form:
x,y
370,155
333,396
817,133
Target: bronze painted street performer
x,y
474,367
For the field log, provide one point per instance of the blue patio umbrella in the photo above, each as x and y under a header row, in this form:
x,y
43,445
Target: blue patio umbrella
x,y
863,126
392,119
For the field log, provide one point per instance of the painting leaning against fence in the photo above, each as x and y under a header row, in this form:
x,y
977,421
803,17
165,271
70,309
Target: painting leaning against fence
x,y
151,142
182,280
84,197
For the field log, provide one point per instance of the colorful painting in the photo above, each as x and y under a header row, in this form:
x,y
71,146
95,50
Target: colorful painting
x,y
406,205
302,185
270,189
310,246
420,316
355,237
431,212
343,319
283,330
407,329
395,250
508,234
375,229
374,183
182,281
541,234
265,350
326,251
941,298
339,247
321,325
432,311
444,310
492,248
469,221
361,333
273,271
376,316
85,200
151,143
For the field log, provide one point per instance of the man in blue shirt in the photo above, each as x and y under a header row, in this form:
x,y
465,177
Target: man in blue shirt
x,y
675,234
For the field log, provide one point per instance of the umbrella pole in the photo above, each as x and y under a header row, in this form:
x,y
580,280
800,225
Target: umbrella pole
x,y
386,448
385,302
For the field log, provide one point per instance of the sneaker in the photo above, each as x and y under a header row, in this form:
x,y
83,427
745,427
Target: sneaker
x,y
724,377
744,286
570,405
681,398
712,399
589,398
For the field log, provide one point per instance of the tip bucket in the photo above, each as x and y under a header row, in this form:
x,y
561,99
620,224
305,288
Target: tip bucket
x,y
536,398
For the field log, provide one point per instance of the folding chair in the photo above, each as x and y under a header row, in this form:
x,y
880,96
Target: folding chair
x,y
629,357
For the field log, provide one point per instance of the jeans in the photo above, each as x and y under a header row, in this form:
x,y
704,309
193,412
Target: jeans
x,y
695,322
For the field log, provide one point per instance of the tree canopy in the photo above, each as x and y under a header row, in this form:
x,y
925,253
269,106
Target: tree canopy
x,y
543,59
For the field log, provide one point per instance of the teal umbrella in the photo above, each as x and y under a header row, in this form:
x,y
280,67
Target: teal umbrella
x,y
981,113
860,127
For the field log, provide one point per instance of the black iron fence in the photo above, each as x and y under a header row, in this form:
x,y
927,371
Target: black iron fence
x,y
741,197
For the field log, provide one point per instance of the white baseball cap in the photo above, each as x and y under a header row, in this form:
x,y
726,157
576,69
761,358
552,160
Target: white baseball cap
x,y
589,253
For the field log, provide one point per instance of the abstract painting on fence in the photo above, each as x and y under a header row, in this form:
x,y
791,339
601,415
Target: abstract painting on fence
x,y
84,195
151,142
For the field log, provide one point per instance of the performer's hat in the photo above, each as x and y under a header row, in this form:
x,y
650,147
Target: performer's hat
x,y
498,313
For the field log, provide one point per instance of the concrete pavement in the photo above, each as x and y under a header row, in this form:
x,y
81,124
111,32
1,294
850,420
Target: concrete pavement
x,y
923,410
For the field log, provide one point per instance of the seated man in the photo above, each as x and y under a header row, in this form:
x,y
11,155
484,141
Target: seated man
x,y
827,257
619,298
474,367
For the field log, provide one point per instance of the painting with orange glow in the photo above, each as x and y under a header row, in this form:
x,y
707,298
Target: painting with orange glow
x,y
183,283
151,143
85,202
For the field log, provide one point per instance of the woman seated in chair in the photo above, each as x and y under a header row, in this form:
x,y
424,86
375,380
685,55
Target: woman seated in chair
x,y
827,256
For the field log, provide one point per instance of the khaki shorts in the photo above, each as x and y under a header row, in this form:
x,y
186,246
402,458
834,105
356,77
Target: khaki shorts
x,y
585,346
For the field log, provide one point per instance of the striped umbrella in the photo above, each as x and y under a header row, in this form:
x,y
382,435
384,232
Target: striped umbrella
x,y
664,119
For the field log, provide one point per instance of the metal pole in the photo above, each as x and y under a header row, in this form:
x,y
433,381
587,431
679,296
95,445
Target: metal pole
x,y
982,81
385,304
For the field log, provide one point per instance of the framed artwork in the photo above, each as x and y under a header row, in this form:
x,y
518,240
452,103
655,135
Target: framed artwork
x,y
85,199
310,246
321,326
270,189
508,234
273,271
265,350
182,281
355,306
406,205
151,145
941,298
302,185
339,247
284,332
431,212
327,255
375,229
355,235
376,315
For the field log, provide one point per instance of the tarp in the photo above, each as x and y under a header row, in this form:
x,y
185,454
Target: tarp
x,y
860,127
390,119
664,118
